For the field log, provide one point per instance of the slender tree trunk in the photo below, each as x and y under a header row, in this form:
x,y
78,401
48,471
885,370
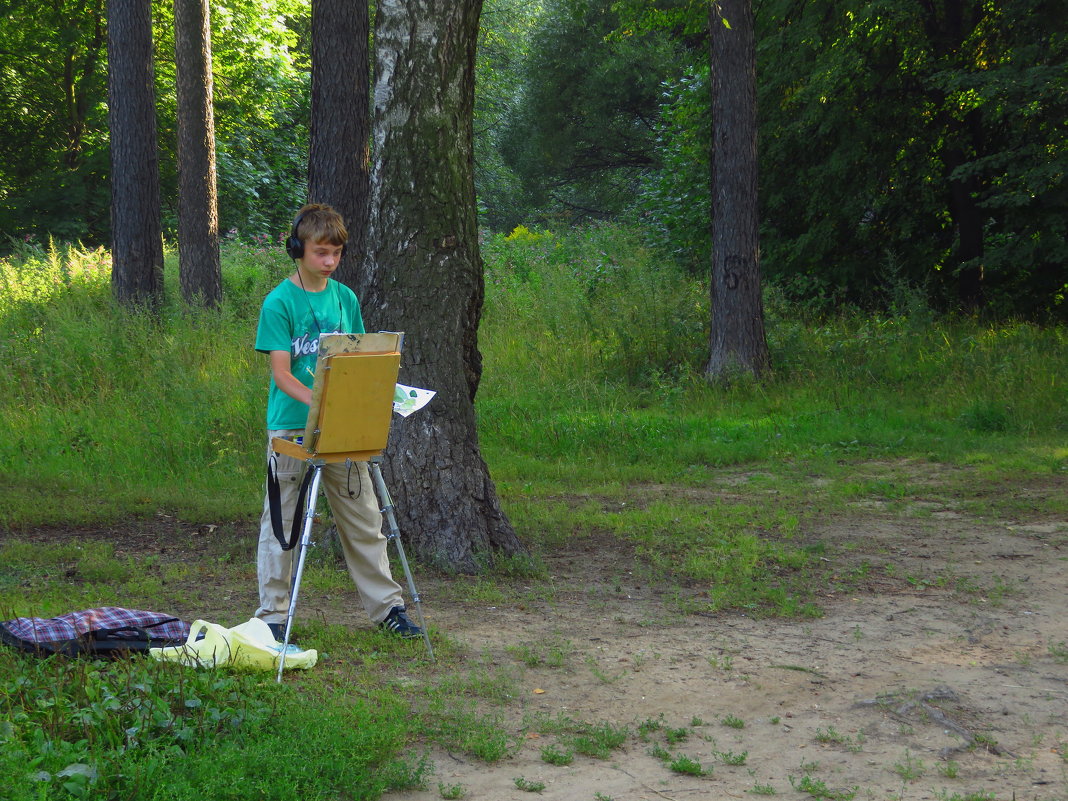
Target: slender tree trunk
x,y
137,240
199,267
423,275
949,24
968,218
81,66
340,121
738,341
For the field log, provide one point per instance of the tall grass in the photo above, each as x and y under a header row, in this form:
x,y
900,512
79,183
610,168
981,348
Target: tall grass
x,y
107,412
594,353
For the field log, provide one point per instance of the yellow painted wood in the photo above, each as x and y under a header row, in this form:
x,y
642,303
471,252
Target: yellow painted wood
x,y
352,398
289,448
356,403
336,344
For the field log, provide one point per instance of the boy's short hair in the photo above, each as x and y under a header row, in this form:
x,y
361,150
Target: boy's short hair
x,y
317,222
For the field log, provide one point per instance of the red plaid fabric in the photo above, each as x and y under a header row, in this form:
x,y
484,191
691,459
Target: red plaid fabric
x,y
76,624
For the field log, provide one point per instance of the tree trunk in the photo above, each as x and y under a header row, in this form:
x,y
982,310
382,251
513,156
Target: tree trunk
x,y
968,218
199,268
423,276
738,342
949,25
137,240
340,121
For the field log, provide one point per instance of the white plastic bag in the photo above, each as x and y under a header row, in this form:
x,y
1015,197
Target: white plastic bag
x,y
250,645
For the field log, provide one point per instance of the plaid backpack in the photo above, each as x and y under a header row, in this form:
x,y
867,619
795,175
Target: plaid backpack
x,y
109,631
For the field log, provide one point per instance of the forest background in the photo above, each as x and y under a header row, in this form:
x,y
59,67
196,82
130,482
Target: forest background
x,y
909,144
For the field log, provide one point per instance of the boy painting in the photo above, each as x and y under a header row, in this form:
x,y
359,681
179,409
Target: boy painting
x,y
308,303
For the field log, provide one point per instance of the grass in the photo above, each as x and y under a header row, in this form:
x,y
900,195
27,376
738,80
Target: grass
x,y
87,729
598,427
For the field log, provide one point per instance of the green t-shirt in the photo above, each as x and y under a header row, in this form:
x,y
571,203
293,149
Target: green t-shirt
x,y
292,320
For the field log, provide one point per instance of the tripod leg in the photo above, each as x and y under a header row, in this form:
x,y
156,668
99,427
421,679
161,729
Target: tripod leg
x,y
394,535
302,552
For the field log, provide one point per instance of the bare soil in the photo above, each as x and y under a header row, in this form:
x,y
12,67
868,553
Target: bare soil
x,y
946,680
938,669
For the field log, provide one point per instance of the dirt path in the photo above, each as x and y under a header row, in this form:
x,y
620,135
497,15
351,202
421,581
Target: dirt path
x,y
949,681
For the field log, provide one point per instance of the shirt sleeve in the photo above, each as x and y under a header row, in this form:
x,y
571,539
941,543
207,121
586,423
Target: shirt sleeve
x,y
273,331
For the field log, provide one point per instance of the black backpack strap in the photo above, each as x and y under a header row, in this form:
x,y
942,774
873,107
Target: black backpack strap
x,y
274,502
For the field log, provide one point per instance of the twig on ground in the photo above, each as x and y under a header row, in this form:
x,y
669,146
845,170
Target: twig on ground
x,y
899,706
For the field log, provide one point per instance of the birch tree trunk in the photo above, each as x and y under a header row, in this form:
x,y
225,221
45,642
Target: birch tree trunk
x,y
738,342
423,276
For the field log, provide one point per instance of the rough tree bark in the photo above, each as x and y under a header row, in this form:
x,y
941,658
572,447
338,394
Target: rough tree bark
x,y
340,121
423,276
137,240
738,341
199,268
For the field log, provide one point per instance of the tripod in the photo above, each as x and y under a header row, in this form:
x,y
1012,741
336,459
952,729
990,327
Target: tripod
x,y
348,421
315,468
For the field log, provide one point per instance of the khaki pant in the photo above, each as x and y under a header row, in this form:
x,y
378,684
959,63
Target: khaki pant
x,y
356,512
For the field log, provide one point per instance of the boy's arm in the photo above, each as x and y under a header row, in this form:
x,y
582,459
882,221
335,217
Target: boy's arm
x,y
282,370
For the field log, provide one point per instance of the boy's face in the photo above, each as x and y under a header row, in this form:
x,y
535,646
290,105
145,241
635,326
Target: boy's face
x,y
319,261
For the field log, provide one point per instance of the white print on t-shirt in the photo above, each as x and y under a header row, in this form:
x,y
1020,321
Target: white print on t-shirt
x,y
307,345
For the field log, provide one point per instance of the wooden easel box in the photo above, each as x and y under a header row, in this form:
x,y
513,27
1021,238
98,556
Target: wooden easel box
x,y
352,398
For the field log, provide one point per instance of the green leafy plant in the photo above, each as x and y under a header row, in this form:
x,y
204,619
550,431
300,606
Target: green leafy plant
x,y
529,786
731,758
817,788
689,766
556,756
909,768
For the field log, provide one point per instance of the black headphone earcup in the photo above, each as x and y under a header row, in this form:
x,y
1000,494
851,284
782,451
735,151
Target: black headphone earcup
x,y
294,247
294,244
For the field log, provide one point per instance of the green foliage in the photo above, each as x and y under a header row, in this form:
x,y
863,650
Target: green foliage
x,y
126,402
901,152
593,351
598,296
528,785
54,150
599,740
142,729
54,157
581,135
261,106
688,765
675,202
505,27
555,756
113,415
909,112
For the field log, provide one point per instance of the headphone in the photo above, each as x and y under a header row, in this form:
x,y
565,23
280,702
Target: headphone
x,y
295,245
